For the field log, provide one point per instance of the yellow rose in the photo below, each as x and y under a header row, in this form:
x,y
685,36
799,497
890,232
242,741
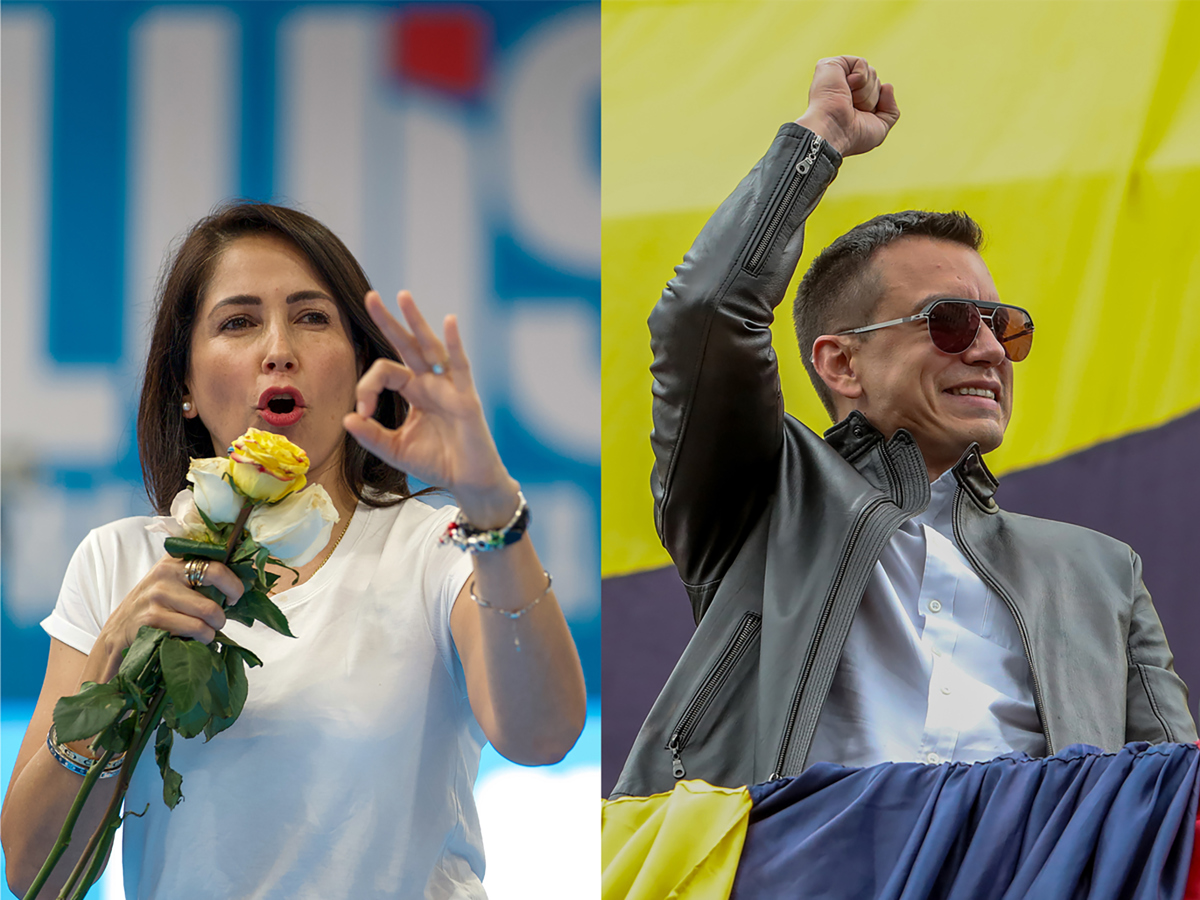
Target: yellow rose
x,y
266,466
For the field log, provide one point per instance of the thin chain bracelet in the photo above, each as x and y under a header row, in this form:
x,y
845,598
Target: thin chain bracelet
x,y
513,614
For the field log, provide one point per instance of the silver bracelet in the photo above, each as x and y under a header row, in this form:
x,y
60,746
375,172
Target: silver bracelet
x,y
77,762
513,614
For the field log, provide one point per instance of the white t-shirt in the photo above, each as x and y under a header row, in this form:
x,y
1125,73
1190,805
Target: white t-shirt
x,y
349,772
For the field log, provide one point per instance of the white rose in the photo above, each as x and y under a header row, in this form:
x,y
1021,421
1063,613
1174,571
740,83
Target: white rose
x,y
184,521
296,528
214,494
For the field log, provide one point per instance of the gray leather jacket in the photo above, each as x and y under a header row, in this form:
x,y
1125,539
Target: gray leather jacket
x,y
775,531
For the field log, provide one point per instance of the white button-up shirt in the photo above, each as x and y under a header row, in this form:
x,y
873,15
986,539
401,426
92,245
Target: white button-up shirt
x,y
933,669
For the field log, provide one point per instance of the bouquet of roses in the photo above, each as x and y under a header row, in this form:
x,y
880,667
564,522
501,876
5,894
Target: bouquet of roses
x,y
245,510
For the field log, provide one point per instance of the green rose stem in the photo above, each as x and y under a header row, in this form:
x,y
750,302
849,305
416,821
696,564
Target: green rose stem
x,y
64,836
101,840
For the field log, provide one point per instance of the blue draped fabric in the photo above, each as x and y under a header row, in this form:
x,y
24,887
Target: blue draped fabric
x,y
1080,825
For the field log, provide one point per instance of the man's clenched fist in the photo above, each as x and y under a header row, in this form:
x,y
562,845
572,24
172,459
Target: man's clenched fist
x,y
848,106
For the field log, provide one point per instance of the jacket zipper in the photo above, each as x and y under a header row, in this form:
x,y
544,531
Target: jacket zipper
x,y
747,628
1012,607
801,175
816,641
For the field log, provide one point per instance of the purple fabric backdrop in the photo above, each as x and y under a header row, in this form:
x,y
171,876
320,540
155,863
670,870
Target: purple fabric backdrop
x,y
1143,489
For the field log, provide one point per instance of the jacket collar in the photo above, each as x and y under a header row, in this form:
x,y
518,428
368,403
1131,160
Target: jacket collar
x,y
855,435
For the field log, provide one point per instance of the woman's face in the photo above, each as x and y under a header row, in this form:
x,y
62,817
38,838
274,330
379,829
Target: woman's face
x,y
270,350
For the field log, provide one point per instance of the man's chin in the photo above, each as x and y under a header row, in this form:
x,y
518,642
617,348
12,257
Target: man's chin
x,y
988,439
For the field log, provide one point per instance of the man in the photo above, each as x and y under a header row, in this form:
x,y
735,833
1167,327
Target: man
x,y
863,598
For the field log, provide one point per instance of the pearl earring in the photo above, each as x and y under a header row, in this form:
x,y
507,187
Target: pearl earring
x,y
187,406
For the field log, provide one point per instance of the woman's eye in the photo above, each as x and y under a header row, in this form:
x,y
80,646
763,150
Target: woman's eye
x,y
315,317
236,323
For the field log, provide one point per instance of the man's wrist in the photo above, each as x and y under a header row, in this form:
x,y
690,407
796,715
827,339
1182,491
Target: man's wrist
x,y
826,129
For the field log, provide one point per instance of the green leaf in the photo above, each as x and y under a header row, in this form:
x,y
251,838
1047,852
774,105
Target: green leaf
x,y
117,737
215,700
132,691
89,712
186,667
228,644
283,565
258,606
216,725
244,570
235,613
140,651
247,550
172,780
212,526
188,724
251,659
214,594
180,548
235,674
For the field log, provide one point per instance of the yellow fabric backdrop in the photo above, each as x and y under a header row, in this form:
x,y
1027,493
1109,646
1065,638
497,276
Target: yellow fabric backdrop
x,y
1069,130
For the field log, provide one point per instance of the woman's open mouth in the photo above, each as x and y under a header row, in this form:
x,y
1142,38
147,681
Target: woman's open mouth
x,y
281,406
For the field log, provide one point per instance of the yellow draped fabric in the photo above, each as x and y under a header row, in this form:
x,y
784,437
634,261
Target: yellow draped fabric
x,y
1069,130
685,844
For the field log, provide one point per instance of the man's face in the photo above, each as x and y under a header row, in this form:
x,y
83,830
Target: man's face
x,y
907,382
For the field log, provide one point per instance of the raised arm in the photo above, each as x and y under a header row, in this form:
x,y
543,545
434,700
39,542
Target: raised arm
x,y
718,411
531,702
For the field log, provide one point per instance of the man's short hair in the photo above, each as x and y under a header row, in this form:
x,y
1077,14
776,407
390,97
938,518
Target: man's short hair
x,y
841,291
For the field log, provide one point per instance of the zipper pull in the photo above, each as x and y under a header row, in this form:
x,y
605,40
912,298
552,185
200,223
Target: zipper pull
x,y
677,768
813,149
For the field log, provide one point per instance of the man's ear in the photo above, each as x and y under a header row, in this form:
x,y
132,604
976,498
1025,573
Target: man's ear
x,y
833,359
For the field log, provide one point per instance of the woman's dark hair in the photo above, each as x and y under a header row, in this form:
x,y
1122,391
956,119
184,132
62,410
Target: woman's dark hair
x,y
166,440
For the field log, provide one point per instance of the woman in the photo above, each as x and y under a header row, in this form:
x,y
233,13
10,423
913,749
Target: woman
x,y
349,772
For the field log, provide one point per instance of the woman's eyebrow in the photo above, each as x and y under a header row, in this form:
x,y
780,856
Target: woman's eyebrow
x,y
308,295
252,300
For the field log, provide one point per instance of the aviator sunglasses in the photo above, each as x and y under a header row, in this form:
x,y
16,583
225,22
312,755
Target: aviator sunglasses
x,y
954,325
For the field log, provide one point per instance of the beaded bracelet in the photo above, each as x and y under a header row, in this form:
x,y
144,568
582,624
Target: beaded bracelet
x,y
465,536
77,762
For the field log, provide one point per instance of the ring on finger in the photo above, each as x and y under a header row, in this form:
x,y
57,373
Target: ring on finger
x,y
438,368
194,571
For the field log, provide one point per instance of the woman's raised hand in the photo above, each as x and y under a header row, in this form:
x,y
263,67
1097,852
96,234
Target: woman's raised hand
x,y
445,439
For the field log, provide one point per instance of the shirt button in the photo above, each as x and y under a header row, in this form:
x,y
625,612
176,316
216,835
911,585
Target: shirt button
x,y
945,690
935,606
932,758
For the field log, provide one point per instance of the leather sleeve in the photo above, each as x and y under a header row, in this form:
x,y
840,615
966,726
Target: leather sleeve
x,y
718,411
1156,698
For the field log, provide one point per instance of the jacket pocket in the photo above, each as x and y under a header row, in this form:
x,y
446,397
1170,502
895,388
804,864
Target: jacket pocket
x,y
735,649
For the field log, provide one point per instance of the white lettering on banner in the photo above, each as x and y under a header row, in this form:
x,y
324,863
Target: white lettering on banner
x,y
183,127
52,414
546,111
564,530
554,365
327,60
440,227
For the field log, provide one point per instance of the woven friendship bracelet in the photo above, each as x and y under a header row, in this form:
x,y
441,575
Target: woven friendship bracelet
x,y
76,762
466,537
